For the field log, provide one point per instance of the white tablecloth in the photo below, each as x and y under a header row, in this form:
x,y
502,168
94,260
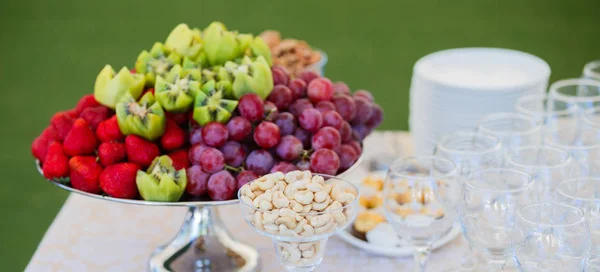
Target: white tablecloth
x,y
95,235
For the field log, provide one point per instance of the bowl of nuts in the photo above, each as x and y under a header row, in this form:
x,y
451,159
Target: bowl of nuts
x,y
294,55
299,211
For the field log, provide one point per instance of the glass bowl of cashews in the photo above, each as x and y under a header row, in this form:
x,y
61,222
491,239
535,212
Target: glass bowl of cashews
x,y
299,211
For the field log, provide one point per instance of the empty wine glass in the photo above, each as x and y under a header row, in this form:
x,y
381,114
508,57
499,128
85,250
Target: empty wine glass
x,y
490,199
470,151
420,197
583,144
513,130
582,91
547,165
548,112
584,193
591,117
550,237
592,70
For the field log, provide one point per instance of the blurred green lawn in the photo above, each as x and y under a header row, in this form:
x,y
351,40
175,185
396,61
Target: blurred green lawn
x,y
54,49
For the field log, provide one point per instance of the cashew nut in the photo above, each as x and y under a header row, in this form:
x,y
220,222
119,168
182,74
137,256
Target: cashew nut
x,y
279,200
308,230
253,186
301,184
246,191
318,179
296,207
322,205
283,230
246,199
265,205
279,185
258,220
269,218
314,187
327,188
307,208
308,253
289,191
288,221
321,196
293,176
300,225
305,246
338,214
264,183
271,228
295,254
320,220
326,228
304,197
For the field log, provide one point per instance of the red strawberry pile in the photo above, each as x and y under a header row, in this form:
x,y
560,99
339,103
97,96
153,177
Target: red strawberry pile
x,y
306,123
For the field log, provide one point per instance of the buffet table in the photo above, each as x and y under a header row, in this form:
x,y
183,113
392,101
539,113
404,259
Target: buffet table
x,y
94,235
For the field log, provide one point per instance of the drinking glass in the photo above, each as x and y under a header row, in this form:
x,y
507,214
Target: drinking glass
x,y
592,70
584,193
469,151
513,130
420,195
592,264
548,112
591,117
550,236
490,200
583,144
582,91
547,165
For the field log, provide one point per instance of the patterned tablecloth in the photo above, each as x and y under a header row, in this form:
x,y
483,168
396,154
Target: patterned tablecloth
x,y
95,235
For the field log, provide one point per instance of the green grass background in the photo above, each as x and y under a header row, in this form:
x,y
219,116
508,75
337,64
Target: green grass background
x,y
52,51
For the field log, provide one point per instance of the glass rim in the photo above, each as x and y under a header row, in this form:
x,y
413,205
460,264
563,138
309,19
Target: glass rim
x,y
586,115
568,181
329,177
558,145
579,221
452,172
504,115
468,181
497,145
512,152
588,69
533,97
574,82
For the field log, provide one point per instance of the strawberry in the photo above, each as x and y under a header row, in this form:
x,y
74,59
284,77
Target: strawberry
x,y
95,115
62,123
87,101
174,136
81,140
84,173
111,153
181,119
39,147
140,151
72,113
56,163
108,130
118,180
180,159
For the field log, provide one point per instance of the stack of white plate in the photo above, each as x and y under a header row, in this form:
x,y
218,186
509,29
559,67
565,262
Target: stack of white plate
x,y
452,89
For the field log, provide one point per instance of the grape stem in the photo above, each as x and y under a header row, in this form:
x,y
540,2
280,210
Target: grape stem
x,y
306,154
234,169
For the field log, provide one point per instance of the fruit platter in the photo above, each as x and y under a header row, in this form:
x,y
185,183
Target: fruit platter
x,y
197,117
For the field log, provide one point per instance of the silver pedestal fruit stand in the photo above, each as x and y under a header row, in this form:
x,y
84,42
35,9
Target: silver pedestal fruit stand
x,y
203,242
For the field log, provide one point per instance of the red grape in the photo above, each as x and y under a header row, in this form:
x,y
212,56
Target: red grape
x,y
283,167
214,134
280,75
376,116
245,177
345,106
286,123
364,94
196,181
348,156
266,135
324,161
251,107
234,153
298,106
221,186
290,148
333,119
324,106
281,96
259,161
311,120
196,136
363,110
326,137
320,89
304,137
308,76
195,153
341,88
239,128
346,132
212,160
180,118
361,131
303,165
298,88
270,111
356,146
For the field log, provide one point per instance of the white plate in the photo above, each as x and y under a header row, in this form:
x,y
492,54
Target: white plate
x,y
401,251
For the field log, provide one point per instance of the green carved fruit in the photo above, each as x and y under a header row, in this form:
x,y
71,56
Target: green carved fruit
x,y
211,105
176,92
161,182
185,41
157,62
244,41
110,87
258,48
251,77
144,118
220,45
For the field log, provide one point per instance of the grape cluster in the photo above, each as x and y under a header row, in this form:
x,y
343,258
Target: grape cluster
x,y
306,123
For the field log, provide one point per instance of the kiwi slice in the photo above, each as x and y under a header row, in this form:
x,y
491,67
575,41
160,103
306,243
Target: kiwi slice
x,y
158,61
176,93
161,182
211,105
185,41
145,118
